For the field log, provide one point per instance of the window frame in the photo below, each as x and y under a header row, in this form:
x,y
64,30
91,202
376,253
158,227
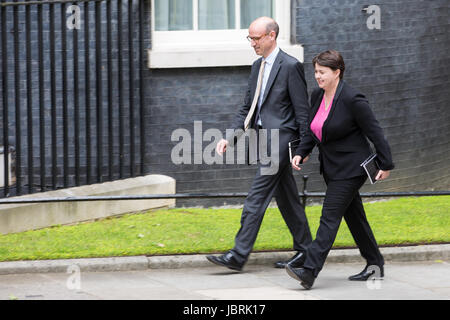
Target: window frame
x,y
214,48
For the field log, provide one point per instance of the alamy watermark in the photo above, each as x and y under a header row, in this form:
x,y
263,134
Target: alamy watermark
x,y
263,146
374,281
74,20
74,280
374,20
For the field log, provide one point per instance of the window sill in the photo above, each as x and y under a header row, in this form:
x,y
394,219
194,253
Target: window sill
x,y
164,57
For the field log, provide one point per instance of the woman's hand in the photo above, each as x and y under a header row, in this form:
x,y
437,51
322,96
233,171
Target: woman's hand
x,y
382,175
296,162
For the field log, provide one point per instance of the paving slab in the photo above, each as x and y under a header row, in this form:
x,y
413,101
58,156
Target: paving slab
x,y
423,280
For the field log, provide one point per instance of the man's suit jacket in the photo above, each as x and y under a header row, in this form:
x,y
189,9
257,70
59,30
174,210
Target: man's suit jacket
x,y
344,144
285,103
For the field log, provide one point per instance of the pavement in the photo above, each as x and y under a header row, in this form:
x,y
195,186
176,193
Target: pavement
x,y
411,273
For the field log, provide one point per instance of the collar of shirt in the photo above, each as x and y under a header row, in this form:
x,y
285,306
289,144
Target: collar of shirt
x,y
269,63
272,56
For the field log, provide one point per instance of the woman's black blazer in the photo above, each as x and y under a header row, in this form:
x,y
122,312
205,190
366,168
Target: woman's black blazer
x,y
344,144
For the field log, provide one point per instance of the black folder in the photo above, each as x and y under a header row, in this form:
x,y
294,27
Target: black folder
x,y
371,167
293,147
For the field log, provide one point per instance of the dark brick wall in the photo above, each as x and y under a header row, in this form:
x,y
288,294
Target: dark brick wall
x,y
176,99
403,68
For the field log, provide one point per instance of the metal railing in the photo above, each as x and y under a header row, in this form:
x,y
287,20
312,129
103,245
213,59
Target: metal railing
x,y
72,101
304,195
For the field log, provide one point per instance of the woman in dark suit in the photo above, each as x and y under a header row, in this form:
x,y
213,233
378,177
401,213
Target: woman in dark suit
x,y
340,123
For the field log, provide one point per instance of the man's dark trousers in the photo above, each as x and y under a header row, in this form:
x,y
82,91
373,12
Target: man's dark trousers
x,y
282,186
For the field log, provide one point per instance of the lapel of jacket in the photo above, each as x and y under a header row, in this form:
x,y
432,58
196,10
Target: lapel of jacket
x,y
315,108
273,74
333,108
254,77
316,105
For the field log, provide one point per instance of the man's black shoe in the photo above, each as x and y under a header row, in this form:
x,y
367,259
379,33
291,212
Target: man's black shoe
x,y
296,261
305,276
377,271
226,260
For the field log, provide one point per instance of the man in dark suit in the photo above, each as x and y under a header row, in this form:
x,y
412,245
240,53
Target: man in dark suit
x,y
276,101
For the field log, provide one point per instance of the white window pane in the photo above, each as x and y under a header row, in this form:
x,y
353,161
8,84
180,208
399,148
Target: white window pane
x,y
173,15
216,14
252,9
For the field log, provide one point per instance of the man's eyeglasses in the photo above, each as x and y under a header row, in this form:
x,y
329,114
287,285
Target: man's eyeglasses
x,y
256,39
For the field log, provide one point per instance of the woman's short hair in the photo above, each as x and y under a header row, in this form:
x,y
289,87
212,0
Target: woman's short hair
x,y
331,59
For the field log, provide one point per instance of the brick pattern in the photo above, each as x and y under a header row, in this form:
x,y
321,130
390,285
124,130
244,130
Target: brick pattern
x,y
401,69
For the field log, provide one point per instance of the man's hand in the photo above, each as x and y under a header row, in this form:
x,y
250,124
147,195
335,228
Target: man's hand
x,y
221,146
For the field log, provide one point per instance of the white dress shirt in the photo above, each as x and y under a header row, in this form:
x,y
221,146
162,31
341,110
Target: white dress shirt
x,y
269,63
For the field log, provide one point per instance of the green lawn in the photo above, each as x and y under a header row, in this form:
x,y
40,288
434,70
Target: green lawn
x,y
175,231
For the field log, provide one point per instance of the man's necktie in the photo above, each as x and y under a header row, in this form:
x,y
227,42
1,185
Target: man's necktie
x,y
255,97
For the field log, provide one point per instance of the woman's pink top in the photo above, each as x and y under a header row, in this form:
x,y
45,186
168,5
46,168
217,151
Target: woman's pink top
x,y
319,119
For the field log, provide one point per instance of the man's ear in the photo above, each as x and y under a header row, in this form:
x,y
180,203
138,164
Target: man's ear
x,y
273,35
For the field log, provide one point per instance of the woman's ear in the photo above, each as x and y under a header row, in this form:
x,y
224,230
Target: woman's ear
x,y
338,73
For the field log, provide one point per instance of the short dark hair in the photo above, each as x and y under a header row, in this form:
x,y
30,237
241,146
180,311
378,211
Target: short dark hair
x,y
331,59
273,26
